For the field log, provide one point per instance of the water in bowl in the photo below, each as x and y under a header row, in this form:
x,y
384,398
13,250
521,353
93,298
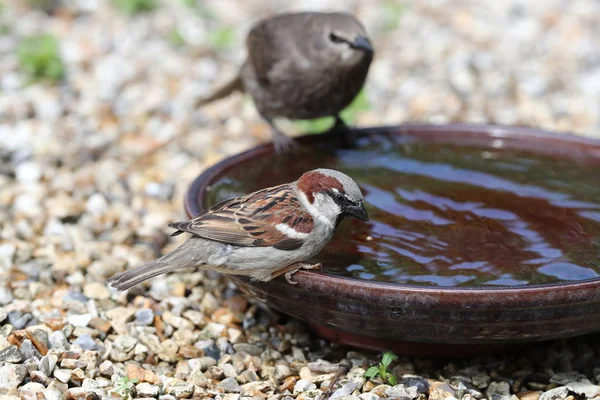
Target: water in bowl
x,y
448,215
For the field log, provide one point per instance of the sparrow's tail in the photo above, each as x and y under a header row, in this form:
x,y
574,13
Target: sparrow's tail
x,y
234,85
182,257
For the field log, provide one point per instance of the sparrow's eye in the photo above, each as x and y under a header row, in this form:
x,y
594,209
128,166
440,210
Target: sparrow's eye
x,y
335,38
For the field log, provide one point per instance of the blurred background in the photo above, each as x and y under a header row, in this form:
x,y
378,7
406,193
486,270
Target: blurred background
x,y
99,138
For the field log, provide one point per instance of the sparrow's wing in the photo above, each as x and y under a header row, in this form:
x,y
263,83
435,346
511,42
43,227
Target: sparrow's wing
x,y
277,43
268,218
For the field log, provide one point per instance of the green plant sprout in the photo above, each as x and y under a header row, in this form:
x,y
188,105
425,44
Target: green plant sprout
x,y
221,38
125,386
132,7
40,57
381,369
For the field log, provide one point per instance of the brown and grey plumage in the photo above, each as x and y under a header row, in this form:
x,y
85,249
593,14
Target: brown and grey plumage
x,y
302,66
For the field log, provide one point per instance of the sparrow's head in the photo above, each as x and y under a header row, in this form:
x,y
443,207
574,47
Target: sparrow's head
x,y
342,39
331,194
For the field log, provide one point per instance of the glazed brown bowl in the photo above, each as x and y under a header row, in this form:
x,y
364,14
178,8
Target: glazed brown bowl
x,y
424,320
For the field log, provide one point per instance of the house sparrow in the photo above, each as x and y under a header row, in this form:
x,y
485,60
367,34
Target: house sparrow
x,y
262,235
302,66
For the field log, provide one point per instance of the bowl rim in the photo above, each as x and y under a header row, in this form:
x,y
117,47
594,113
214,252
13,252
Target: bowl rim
x,y
194,199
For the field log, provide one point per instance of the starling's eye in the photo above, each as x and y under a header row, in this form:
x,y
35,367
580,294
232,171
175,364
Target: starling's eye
x,y
335,38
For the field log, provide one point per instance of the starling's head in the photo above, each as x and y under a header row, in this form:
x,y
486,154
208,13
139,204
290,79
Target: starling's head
x,y
345,39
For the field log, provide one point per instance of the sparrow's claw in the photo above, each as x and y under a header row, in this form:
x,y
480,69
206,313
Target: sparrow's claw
x,y
292,269
288,276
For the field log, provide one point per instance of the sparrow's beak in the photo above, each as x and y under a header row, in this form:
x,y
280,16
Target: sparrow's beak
x,y
362,43
358,211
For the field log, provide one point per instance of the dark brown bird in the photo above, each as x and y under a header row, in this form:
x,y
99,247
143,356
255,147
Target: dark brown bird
x,y
302,66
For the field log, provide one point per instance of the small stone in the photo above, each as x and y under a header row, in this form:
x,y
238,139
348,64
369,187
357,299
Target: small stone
x,y
530,395
304,385
440,391
47,364
63,375
96,204
70,363
369,396
28,172
28,350
402,392
30,390
252,349
11,375
106,369
40,377
498,391
145,389
281,372
559,393
86,342
189,351
206,362
58,341
346,389
19,320
310,395
197,378
125,343
420,383
96,291
82,320
143,375
144,316
100,324
40,340
52,394
179,389
586,388
230,385
11,354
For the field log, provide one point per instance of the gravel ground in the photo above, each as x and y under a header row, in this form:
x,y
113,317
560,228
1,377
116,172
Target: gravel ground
x,y
87,186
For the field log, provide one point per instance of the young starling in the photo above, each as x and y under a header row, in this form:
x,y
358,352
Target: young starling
x,y
302,66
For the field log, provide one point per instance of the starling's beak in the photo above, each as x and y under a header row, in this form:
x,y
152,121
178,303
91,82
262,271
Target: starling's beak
x,y
358,211
362,43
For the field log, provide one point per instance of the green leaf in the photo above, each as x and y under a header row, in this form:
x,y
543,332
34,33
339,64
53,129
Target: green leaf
x,y
388,358
222,37
372,372
358,105
392,379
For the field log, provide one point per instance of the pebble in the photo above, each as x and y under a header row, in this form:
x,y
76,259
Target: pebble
x,y
96,291
346,389
586,388
230,385
86,342
304,385
559,393
63,375
144,316
11,375
28,350
81,320
145,389
11,354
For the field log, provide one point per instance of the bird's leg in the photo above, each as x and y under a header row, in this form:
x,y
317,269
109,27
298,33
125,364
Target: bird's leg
x,y
290,270
281,141
339,125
